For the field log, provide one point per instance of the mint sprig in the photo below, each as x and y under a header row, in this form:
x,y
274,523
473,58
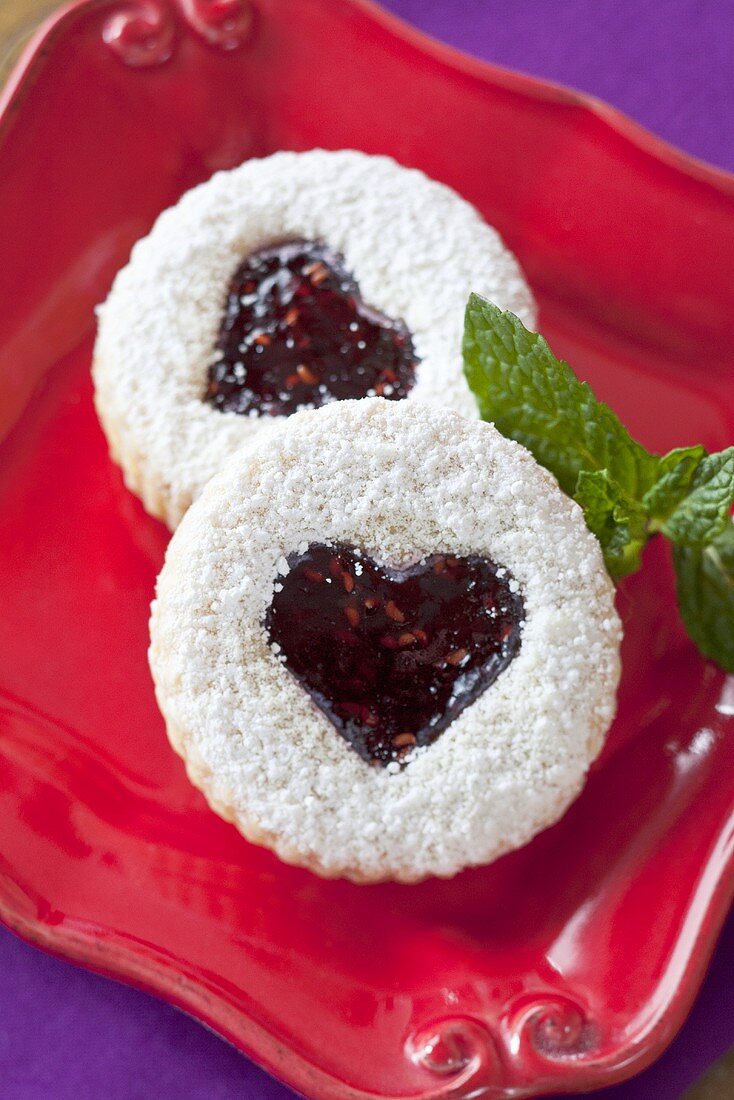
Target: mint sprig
x,y
627,493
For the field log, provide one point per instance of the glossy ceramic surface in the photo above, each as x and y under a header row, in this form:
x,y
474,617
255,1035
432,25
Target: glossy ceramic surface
x,y
564,966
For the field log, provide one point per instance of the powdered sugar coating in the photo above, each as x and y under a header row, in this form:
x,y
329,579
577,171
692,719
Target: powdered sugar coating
x,y
414,246
401,481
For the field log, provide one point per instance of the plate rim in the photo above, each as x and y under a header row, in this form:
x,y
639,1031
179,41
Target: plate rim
x,y
552,92
145,968
110,953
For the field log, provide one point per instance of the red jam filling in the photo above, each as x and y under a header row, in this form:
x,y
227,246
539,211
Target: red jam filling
x,y
296,334
392,656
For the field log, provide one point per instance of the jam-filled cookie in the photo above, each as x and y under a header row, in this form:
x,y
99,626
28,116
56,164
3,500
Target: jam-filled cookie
x,y
385,643
288,283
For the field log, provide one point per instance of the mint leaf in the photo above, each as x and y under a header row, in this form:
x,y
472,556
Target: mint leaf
x,y
705,586
627,494
536,399
676,471
704,513
619,522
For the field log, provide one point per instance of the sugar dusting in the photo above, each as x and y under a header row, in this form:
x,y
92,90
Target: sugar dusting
x,y
402,481
414,246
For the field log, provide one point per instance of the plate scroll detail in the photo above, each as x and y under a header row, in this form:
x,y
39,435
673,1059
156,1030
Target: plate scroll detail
x,y
462,1057
142,33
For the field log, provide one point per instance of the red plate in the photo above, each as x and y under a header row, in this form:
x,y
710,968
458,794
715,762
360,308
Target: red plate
x,y
567,965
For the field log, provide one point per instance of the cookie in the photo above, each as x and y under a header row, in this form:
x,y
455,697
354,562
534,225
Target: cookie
x,y
288,283
384,642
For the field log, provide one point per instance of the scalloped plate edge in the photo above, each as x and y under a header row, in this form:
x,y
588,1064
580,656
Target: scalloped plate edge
x,y
146,967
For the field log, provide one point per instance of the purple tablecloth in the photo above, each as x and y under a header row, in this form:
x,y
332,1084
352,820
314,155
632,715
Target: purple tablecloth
x,y
68,1035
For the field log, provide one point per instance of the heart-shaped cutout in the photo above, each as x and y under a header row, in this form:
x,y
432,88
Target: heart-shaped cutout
x,y
392,656
296,334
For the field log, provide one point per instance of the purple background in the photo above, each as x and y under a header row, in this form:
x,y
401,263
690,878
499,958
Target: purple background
x,y
65,1033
